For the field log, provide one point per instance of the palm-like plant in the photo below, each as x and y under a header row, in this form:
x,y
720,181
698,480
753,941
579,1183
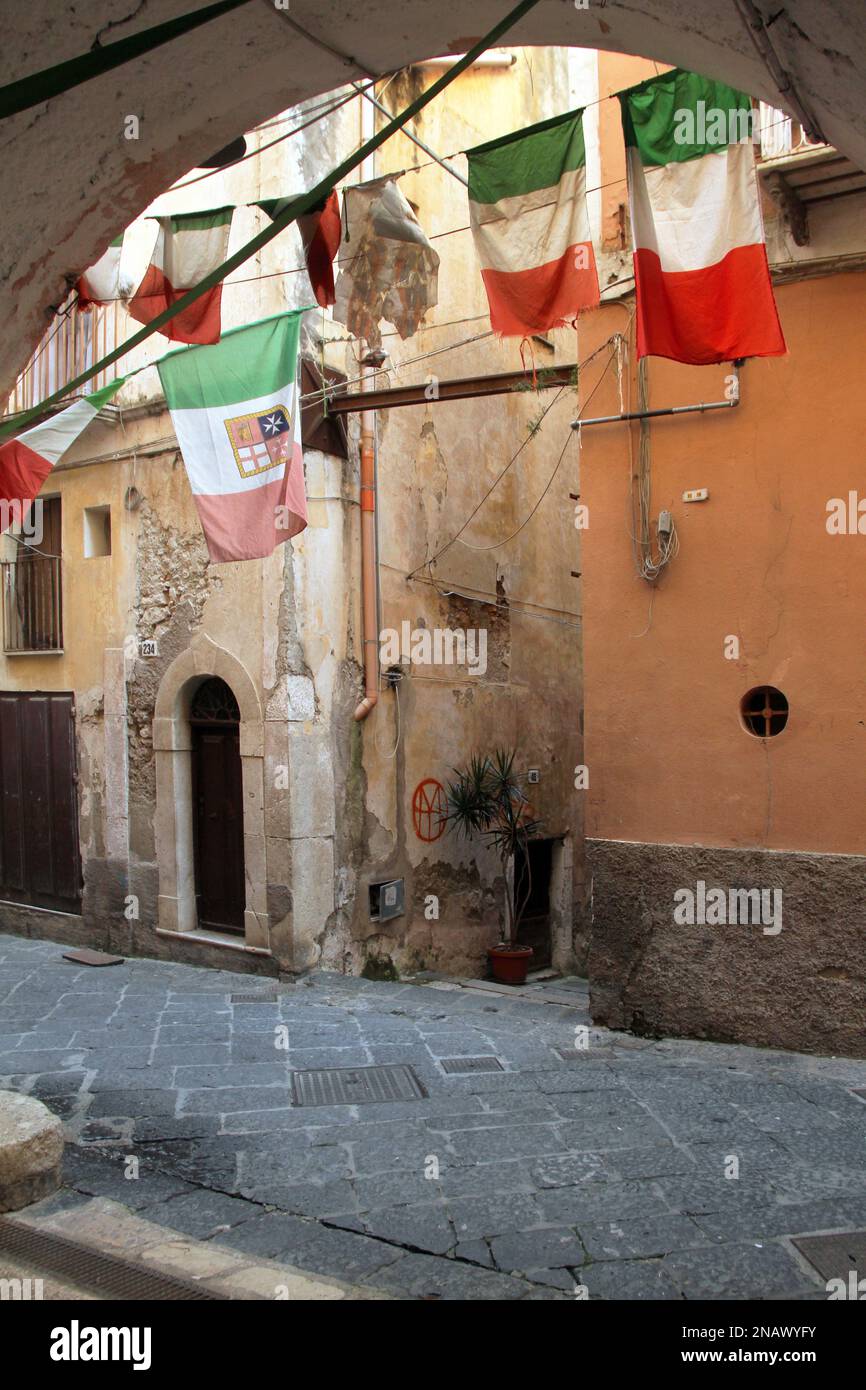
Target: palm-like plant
x,y
487,798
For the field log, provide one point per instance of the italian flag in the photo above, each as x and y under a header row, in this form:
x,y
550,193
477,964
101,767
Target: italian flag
x,y
26,461
321,232
527,207
236,411
700,263
188,247
101,283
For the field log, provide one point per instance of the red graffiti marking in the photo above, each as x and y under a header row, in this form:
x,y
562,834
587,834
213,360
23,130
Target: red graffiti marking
x,y
428,805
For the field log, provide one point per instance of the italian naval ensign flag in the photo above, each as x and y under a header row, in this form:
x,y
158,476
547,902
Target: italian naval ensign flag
x,y
527,207
700,263
235,408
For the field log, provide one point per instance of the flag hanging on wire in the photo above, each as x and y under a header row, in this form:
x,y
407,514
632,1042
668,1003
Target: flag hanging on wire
x,y
235,408
188,247
26,461
320,231
101,283
388,269
527,207
703,282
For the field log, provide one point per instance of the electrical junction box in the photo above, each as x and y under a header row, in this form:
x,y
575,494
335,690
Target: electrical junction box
x,y
533,776
386,900
696,494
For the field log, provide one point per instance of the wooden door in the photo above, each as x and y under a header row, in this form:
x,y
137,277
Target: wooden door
x,y
219,826
39,856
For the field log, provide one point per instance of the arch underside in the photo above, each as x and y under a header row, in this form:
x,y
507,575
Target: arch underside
x,y
72,181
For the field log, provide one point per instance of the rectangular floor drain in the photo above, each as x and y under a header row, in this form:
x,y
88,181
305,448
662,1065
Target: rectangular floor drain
x,y
467,1064
108,1275
355,1085
835,1257
269,997
571,1054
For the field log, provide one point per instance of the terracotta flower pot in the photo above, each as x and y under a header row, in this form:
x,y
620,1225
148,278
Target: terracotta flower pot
x,y
509,964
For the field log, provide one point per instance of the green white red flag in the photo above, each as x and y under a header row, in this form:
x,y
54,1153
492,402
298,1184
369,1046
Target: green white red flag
x,y
26,461
236,411
101,283
321,231
188,247
703,281
527,206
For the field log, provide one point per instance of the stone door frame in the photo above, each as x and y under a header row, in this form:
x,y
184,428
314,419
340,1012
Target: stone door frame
x,y
172,746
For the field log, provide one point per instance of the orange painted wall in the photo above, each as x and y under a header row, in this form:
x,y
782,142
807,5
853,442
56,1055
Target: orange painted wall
x,y
669,759
616,71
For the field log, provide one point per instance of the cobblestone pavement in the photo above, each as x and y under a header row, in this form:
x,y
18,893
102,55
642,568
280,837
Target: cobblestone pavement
x,y
601,1171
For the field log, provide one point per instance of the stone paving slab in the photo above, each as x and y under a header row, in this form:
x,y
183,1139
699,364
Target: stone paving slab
x,y
631,1169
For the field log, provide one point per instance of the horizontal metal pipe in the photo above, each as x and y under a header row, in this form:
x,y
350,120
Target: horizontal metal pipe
x,y
648,414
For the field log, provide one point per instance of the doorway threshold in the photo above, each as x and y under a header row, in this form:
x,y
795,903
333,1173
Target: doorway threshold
x,y
215,938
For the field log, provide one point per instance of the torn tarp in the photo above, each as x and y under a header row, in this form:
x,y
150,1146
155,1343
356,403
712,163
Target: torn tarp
x,y
388,269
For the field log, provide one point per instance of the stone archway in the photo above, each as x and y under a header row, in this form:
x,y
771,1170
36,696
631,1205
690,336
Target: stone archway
x,y
172,745
195,94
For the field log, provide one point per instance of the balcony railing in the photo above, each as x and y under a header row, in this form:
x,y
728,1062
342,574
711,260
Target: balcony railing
x,y
32,604
74,340
781,134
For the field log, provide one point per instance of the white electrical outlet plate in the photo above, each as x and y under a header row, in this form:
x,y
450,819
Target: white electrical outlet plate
x,y
696,494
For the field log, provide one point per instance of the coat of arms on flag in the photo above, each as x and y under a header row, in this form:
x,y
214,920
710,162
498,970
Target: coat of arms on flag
x,y
260,442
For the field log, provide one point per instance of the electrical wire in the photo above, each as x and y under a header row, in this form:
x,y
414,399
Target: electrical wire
x,y
251,154
514,457
496,544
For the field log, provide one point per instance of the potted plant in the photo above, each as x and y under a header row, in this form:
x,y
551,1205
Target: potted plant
x,y
486,798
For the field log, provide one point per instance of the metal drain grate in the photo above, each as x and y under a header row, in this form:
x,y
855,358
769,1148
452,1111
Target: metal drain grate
x,y
571,1054
467,1064
835,1257
269,997
109,1275
355,1085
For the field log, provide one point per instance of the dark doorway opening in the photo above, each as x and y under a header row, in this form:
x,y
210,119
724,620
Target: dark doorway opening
x,y
532,868
218,811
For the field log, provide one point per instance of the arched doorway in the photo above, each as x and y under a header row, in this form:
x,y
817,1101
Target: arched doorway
x,y
217,807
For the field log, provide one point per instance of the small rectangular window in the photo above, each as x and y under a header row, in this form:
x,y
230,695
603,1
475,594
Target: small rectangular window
x,y
97,532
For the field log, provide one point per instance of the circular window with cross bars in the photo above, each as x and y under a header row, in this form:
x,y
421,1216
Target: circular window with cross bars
x,y
764,711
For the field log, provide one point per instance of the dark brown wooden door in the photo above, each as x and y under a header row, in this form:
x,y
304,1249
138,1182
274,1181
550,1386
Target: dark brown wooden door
x,y
39,857
219,826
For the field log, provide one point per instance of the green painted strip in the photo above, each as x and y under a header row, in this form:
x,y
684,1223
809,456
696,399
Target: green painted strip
x,y
527,160
296,208
199,221
51,82
250,362
680,115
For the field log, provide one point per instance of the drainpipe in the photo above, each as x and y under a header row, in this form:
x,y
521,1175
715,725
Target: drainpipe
x,y
368,550
369,574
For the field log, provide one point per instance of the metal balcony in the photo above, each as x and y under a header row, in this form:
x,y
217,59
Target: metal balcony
x,y
32,604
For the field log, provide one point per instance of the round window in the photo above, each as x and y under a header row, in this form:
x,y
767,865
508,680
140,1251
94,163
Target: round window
x,y
764,711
